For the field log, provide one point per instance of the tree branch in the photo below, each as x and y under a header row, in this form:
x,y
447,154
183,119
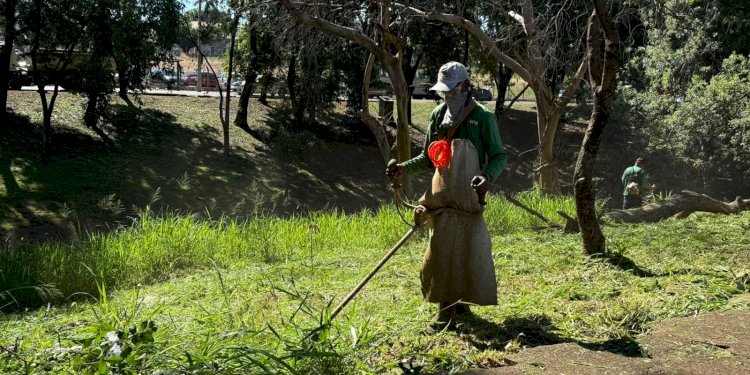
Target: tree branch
x,y
485,39
335,29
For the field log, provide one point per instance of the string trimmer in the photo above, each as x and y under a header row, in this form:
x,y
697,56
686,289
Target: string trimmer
x,y
418,221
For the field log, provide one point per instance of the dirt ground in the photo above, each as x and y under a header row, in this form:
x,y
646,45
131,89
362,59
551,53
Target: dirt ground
x,y
716,343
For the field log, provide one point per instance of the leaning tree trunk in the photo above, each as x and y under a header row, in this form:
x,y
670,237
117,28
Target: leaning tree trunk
x,y
602,74
389,50
377,128
678,206
48,106
291,82
240,120
122,92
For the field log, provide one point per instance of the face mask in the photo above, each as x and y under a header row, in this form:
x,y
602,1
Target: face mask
x,y
455,104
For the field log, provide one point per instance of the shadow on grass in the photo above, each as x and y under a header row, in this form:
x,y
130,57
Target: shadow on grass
x,y
626,264
153,160
531,331
20,147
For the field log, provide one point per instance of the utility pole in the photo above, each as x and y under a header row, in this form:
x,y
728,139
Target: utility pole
x,y
197,50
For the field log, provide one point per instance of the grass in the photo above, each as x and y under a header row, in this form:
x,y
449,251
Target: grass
x,y
236,295
170,157
228,288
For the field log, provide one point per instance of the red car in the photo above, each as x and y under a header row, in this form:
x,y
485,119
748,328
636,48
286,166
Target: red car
x,y
207,80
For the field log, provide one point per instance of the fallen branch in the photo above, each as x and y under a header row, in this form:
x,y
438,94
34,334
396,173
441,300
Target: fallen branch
x,y
541,217
678,206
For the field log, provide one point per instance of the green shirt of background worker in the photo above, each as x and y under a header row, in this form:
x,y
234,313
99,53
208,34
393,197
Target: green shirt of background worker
x,y
457,270
636,182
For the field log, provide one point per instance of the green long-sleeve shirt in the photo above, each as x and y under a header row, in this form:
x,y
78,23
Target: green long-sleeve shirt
x,y
634,174
480,129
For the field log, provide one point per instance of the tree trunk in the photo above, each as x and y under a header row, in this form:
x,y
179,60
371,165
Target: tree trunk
x,y
403,139
549,179
603,67
502,82
47,109
123,84
401,90
4,79
263,98
291,78
233,39
244,102
122,92
377,129
410,72
678,206
9,13
90,116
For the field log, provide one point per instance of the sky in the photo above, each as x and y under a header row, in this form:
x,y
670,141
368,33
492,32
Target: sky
x,y
189,4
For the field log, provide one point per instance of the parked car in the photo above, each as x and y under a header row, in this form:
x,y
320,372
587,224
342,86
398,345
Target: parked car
x,y
422,90
160,76
482,94
238,85
207,80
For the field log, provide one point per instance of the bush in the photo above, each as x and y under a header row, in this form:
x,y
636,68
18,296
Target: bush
x,y
697,141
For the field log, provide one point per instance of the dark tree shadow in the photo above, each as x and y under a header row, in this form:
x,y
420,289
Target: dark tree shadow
x,y
153,160
626,264
531,331
18,203
626,346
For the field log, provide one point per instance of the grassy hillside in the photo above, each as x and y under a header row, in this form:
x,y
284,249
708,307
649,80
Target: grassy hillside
x,y
179,260
169,156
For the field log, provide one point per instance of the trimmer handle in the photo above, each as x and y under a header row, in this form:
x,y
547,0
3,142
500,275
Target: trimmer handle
x,y
392,172
475,182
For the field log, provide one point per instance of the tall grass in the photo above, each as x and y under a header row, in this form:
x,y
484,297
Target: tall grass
x,y
160,246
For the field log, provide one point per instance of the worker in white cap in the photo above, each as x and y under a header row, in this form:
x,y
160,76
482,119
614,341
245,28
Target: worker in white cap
x,y
464,148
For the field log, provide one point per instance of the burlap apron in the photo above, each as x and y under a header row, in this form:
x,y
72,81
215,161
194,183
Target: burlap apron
x,y
458,263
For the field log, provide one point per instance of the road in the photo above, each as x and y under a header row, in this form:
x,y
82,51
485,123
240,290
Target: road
x,y
184,91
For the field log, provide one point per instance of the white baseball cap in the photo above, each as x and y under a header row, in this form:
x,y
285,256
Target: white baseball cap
x,y
450,75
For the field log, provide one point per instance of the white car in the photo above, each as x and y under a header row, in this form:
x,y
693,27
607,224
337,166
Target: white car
x,y
237,86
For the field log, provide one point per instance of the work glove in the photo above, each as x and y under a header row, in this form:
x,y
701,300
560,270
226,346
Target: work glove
x,y
481,185
394,171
